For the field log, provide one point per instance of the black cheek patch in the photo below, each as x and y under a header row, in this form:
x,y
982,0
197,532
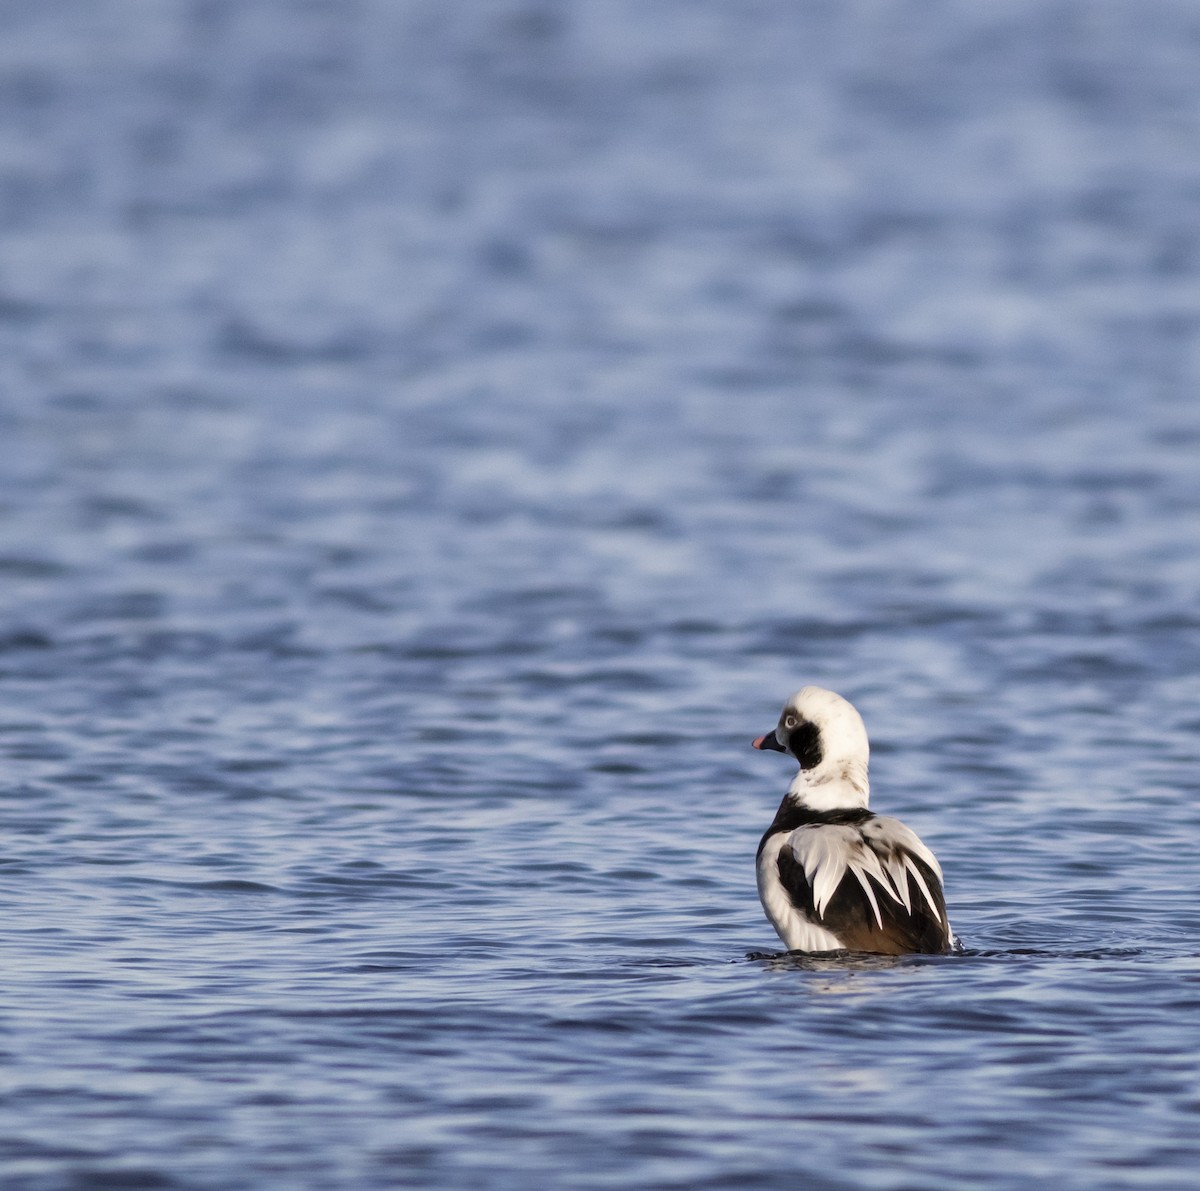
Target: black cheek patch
x,y
804,744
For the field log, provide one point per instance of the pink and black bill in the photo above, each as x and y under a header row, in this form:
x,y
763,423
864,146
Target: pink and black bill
x,y
769,741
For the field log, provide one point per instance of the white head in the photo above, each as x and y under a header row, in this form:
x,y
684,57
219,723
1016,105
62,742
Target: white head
x,y
827,737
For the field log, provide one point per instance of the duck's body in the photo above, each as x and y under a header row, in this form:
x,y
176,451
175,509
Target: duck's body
x,y
832,875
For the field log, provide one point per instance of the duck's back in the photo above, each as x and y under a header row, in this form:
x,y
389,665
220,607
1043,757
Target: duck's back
x,y
852,880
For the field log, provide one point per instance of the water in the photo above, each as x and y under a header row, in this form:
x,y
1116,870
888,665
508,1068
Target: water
x,y
435,439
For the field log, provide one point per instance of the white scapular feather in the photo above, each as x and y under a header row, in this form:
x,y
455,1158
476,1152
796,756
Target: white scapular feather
x,y
920,880
895,865
864,864
903,844
891,833
822,855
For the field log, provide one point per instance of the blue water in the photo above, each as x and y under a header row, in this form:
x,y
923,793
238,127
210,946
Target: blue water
x,y
435,438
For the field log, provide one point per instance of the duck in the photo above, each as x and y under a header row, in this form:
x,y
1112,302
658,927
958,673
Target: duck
x,y
833,875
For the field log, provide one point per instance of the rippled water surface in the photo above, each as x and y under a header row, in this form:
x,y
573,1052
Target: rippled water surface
x,y
435,438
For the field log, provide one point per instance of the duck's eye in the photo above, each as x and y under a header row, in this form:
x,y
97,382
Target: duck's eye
x,y
790,722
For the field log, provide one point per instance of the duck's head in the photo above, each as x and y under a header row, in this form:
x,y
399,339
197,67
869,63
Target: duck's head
x,y
826,736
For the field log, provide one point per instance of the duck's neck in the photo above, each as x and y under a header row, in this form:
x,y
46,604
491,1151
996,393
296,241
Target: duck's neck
x,y
831,787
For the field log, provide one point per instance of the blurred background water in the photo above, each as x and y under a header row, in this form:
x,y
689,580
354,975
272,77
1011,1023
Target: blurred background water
x,y
434,439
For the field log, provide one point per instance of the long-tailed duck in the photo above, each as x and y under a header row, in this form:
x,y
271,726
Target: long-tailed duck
x,y
832,875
